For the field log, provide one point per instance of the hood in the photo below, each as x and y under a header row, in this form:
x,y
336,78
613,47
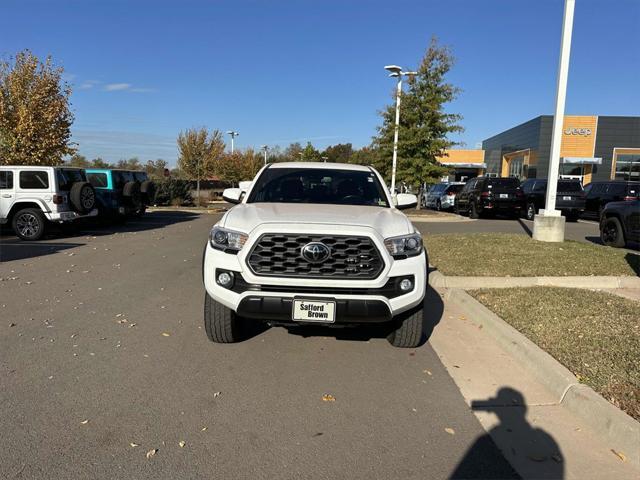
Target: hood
x,y
388,222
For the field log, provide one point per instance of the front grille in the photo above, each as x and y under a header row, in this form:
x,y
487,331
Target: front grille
x,y
280,255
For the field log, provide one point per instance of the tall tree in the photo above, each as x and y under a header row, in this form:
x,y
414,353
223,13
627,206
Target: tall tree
x,y
35,118
292,152
199,153
99,163
129,164
340,153
239,165
310,153
78,160
155,168
425,126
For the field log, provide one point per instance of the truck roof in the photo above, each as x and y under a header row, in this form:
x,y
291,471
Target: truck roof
x,y
322,165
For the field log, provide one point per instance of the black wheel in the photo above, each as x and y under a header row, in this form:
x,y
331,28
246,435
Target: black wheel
x,y
409,333
82,197
530,211
221,323
473,211
611,233
29,224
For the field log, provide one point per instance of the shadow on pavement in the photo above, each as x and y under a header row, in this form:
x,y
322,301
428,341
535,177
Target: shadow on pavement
x,y
633,259
525,227
63,237
433,309
531,451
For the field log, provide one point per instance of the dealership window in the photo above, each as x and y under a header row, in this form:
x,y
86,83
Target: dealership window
x,y
627,166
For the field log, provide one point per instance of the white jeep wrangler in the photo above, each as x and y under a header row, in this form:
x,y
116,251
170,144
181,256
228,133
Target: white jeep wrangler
x,y
315,243
32,196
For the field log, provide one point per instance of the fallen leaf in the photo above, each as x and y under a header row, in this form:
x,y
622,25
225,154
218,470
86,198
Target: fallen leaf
x,y
450,431
203,429
151,453
182,443
328,398
620,455
428,372
556,458
84,422
165,334
217,394
134,445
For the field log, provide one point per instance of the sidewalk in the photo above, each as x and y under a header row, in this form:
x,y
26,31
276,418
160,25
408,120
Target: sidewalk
x,y
540,438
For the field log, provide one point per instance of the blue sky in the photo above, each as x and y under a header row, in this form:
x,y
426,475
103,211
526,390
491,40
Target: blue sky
x,y
284,71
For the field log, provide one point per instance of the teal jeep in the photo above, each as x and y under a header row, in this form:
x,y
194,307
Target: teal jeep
x,y
121,193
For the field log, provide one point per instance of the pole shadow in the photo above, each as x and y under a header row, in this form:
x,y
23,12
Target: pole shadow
x,y
531,451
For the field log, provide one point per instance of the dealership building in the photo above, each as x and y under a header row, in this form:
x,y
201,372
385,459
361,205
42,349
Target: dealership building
x,y
593,148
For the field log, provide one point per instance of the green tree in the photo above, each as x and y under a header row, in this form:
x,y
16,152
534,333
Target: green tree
x,y
239,165
78,160
310,154
340,153
35,118
99,163
425,126
292,153
155,168
129,164
199,153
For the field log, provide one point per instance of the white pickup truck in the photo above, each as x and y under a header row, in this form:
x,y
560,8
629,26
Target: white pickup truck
x,y
315,243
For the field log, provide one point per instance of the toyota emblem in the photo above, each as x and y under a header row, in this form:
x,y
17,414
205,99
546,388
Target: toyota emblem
x,y
315,252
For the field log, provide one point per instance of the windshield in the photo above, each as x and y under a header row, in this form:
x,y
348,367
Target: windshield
x,y
570,186
319,185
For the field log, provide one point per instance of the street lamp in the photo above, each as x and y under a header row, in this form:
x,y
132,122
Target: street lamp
x,y
233,134
396,71
324,159
264,149
548,225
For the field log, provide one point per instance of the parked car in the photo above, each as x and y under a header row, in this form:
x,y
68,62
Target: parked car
x,y
570,197
443,195
598,194
490,195
121,193
620,223
315,243
31,197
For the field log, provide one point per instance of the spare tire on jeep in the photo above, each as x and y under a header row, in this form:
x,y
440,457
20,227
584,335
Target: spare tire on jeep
x,y
131,191
82,197
148,190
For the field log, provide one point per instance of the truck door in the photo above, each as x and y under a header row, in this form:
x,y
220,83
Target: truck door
x,y
7,194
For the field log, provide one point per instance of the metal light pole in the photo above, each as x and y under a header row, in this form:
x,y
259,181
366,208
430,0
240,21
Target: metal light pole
x,y
548,226
233,134
264,149
396,71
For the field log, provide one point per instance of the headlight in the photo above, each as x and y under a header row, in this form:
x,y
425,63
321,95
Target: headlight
x,y
404,246
227,240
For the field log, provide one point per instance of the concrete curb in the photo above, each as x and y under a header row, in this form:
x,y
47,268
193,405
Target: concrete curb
x,y
618,429
437,279
428,218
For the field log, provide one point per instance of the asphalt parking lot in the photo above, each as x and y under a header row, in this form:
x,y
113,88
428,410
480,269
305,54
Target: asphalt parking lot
x,y
103,358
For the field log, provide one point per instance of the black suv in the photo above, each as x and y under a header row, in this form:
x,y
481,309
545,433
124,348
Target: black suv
x,y
489,195
620,223
600,193
570,198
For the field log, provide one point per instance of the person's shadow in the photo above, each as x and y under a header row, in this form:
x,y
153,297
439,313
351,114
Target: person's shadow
x,y
531,451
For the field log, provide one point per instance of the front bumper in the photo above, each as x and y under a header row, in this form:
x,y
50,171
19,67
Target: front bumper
x,y
357,301
69,215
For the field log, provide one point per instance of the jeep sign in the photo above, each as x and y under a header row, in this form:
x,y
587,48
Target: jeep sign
x,y
577,131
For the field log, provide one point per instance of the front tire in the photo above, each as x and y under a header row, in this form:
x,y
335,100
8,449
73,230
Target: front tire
x,y
29,224
530,212
409,333
612,234
221,323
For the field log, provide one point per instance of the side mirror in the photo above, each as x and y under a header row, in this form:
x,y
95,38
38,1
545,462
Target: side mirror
x,y
233,195
406,200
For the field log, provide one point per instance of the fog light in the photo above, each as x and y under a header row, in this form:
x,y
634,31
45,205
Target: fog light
x,y
406,285
225,279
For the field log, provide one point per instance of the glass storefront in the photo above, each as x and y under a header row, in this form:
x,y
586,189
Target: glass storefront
x,y
627,166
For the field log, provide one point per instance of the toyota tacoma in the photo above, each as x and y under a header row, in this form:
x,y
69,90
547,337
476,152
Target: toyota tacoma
x,y
315,243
